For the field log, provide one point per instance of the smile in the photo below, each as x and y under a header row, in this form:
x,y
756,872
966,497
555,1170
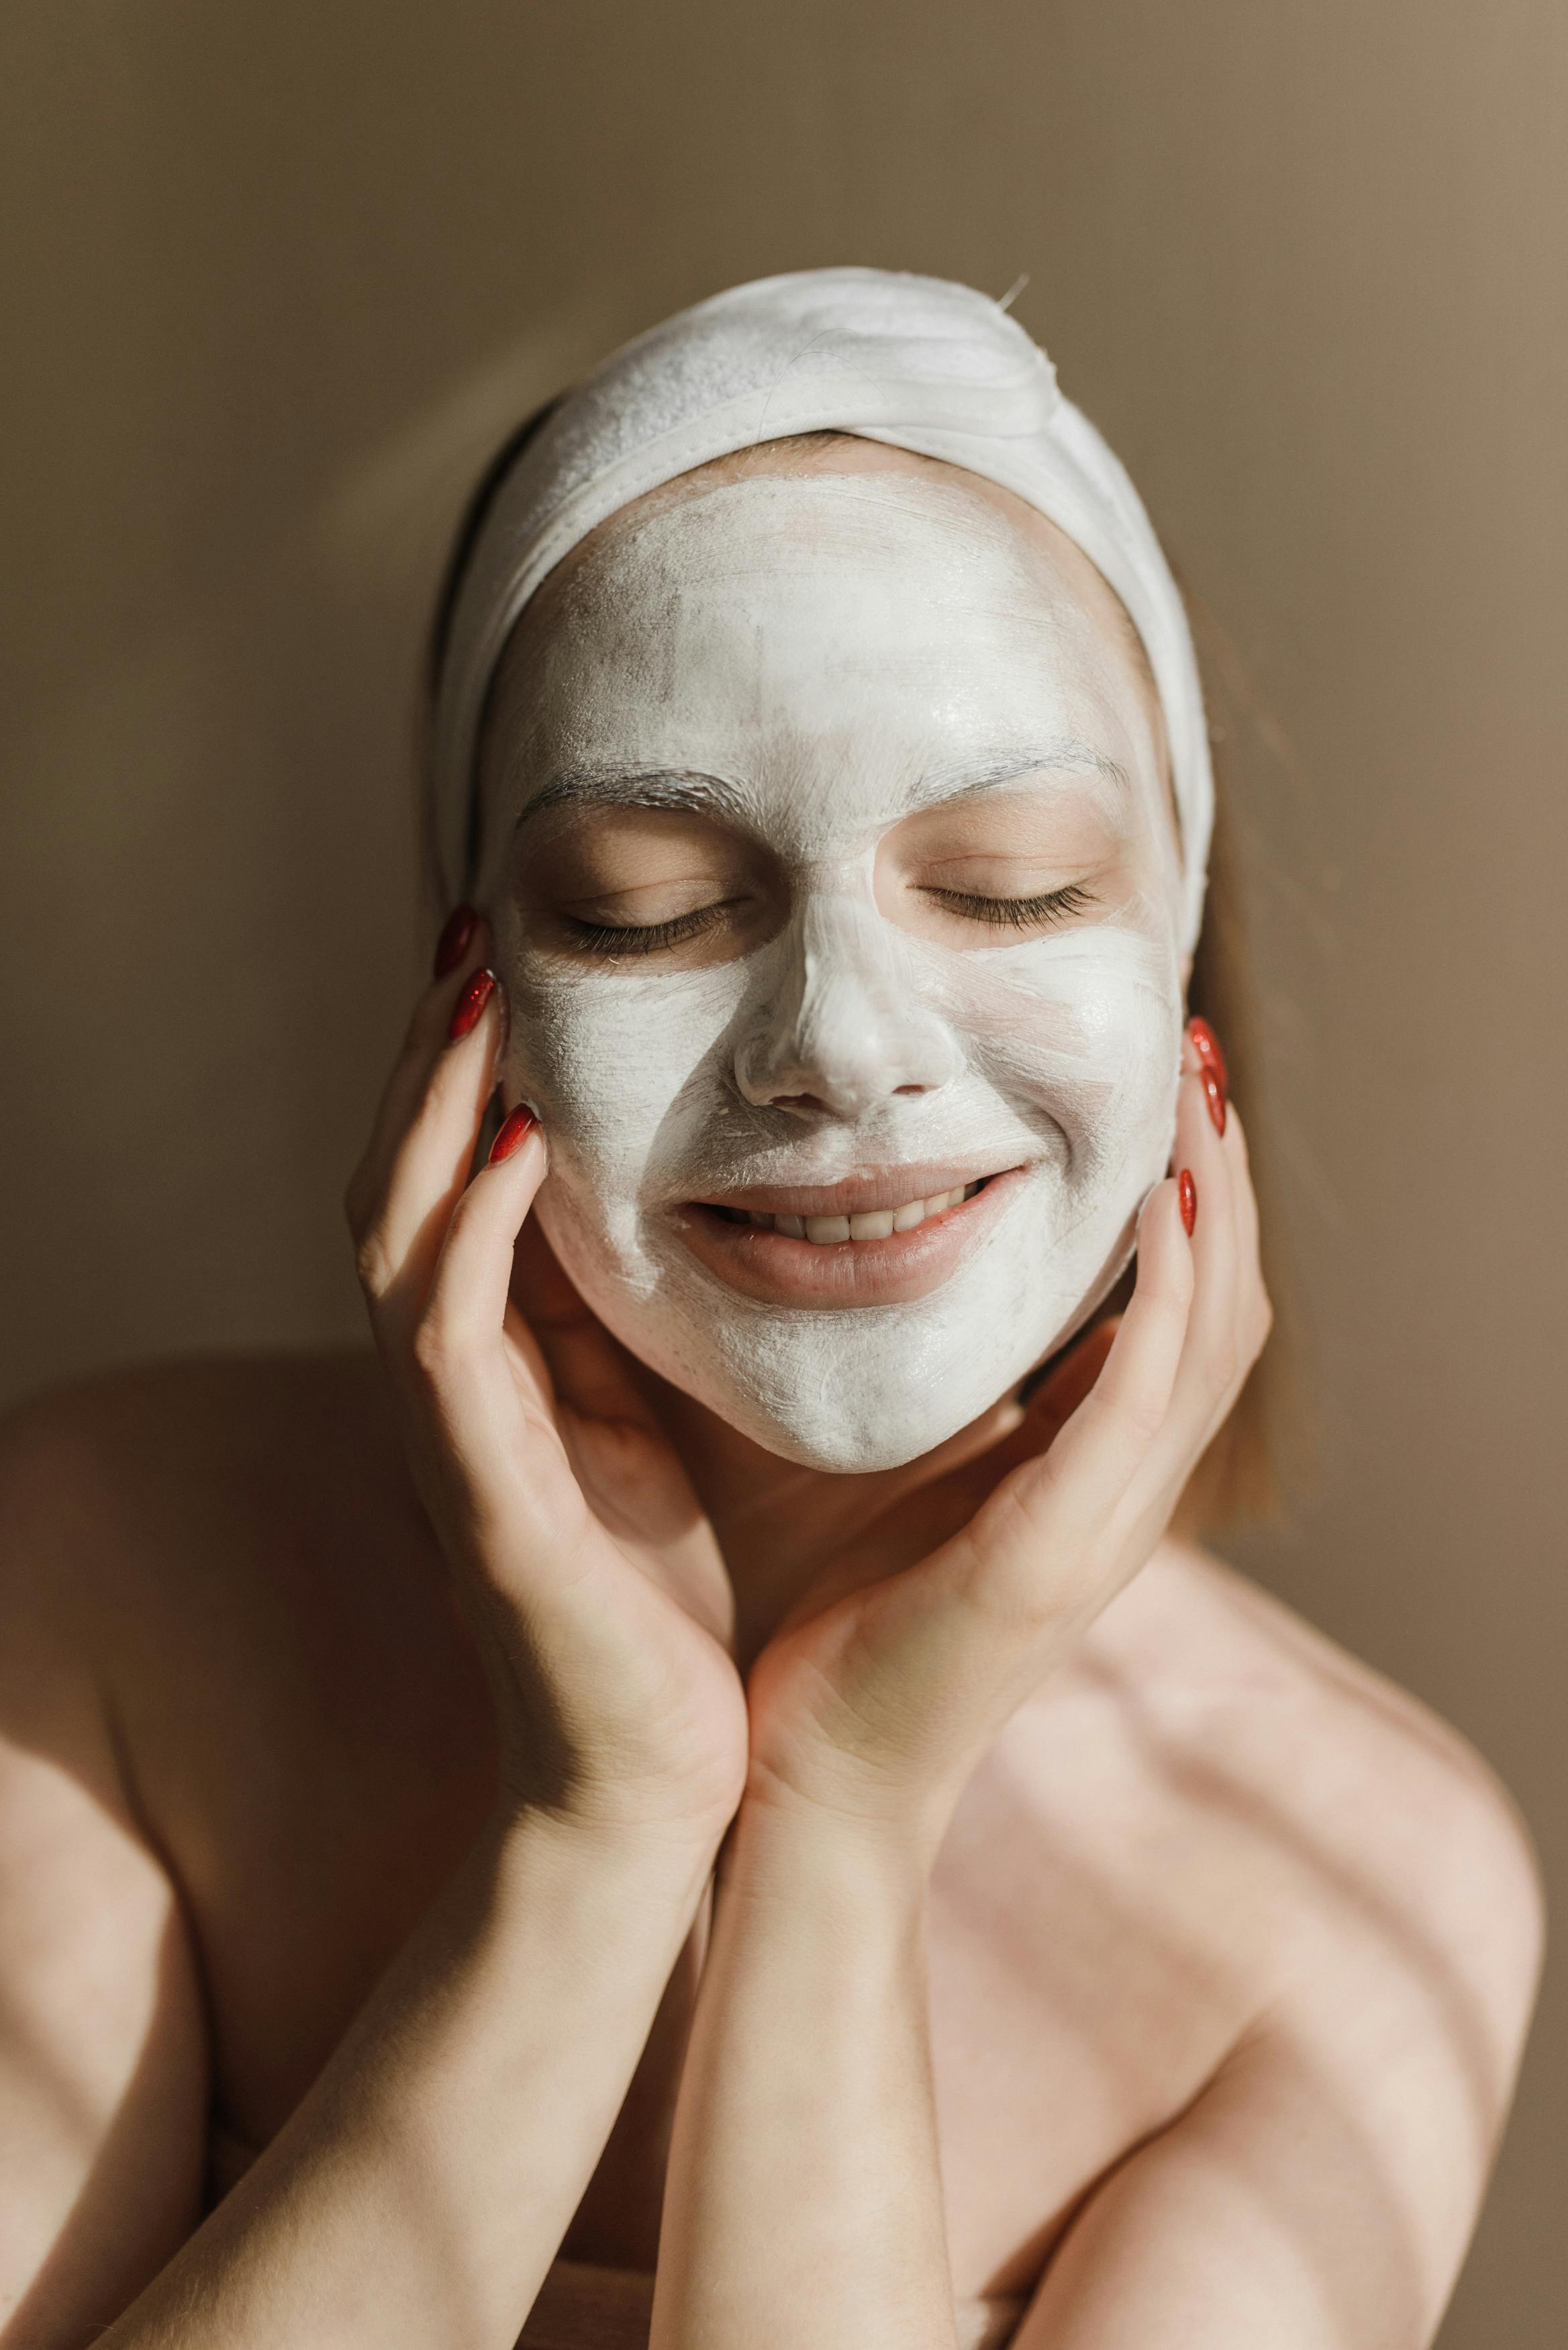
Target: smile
x,y
878,1239
871,1225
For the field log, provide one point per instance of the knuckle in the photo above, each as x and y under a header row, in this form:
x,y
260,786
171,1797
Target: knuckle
x,y
443,1345
372,1262
433,1349
1143,1417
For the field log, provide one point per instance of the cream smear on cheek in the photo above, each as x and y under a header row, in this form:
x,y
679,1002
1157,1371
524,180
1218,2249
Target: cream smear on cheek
x,y
822,647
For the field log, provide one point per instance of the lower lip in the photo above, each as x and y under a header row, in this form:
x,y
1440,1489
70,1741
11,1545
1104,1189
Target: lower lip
x,y
778,1270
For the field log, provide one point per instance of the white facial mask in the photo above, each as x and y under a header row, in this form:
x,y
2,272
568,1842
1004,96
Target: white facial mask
x,y
814,660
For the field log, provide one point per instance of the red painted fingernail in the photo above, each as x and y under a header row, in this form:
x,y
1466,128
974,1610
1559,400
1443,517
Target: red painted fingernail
x,y
1214,1095
1206,1045
471,1004
1187,1192
452,944
512,1133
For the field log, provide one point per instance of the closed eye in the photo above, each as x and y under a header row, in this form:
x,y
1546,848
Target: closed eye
x,y
1016,913
647,937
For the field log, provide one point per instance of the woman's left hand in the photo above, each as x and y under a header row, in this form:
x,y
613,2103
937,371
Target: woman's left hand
x,y
880,1691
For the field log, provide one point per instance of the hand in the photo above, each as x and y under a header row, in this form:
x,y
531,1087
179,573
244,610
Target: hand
x,y
880,1691
602,1606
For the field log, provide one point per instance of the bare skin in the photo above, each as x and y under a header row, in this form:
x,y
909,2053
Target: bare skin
x,y
564,1870
249,1741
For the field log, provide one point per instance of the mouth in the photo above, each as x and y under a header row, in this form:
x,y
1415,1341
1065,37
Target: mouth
x,y
883,1238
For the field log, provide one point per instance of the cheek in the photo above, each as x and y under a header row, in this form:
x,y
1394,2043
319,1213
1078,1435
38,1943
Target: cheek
x,y
612,1063
1085,1029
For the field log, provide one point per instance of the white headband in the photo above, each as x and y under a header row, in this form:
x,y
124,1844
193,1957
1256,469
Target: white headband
x,y
914,361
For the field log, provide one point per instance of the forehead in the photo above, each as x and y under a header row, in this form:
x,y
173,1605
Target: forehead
x,y
828,636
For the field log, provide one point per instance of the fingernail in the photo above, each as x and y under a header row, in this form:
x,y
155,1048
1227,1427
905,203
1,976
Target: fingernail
x,y
1214,1095
471,1003
1206,1045
513,1132
452,944
1187,1192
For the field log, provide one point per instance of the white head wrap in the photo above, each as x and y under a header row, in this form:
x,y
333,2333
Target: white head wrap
x,y
917,362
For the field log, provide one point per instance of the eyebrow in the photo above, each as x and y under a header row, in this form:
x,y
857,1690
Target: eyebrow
x,y
657,787
611,785
963,778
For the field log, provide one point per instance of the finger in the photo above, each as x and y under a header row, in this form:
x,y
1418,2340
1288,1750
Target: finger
x,y
1132,1394
471,1283
919,1520
1058,1396
1229,1316
422,1046
431,1159
1054,1505
1205,1145
1047,1412
1251,1315
468,1321
1256,1311
590,1370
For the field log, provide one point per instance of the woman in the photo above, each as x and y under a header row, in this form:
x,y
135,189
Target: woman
x,y
710,1801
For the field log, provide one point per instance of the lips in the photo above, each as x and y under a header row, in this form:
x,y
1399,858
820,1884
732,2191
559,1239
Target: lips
x,y
876,1240
870,1224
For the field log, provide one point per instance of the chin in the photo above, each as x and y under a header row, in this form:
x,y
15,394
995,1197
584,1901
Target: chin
x,y
849,1403
850,1392
847,1452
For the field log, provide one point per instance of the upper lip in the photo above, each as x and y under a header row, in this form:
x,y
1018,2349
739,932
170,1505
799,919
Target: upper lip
x,y
853,1195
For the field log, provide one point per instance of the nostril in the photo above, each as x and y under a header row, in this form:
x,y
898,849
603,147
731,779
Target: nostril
x,y
911,1089
798,1101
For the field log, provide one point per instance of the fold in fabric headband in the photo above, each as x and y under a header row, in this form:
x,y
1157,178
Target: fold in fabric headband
x,y
919,363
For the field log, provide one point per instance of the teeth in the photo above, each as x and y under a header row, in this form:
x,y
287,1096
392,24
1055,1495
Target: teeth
x,y
874,1225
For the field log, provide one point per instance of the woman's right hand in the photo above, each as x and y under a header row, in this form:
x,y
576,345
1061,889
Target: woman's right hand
x,y
601,1602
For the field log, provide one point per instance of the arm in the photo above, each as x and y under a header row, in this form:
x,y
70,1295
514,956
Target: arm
x,y
805,2198
804,2206
433,2170
102,2044
418,2194
419,2191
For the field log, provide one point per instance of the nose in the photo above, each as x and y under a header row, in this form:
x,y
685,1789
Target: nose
x,y
841,1029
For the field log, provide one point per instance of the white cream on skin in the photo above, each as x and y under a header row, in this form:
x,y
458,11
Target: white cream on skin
x,y
821,680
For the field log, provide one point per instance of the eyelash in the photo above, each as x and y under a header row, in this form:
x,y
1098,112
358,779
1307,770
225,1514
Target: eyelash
x,y
647,938
1002,913
1017,913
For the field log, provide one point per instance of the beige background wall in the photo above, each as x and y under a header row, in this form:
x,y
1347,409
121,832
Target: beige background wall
x,y
278,278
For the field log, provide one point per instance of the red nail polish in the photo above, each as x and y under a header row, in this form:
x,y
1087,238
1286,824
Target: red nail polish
x,y
471,1003
1206,1045
512,1133
1214,1095
1187,1193
452,944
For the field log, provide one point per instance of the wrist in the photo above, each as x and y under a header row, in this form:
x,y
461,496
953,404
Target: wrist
x,y
826,1822
658,1863
595,1810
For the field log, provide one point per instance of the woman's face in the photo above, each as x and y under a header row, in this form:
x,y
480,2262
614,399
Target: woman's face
x,y
835,892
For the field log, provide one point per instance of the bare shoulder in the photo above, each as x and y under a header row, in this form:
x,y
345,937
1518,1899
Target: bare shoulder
x,y
145,1467
173,1539
155,1532
1403,1881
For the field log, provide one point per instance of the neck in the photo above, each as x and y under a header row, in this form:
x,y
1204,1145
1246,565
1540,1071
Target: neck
x,y
782,1528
